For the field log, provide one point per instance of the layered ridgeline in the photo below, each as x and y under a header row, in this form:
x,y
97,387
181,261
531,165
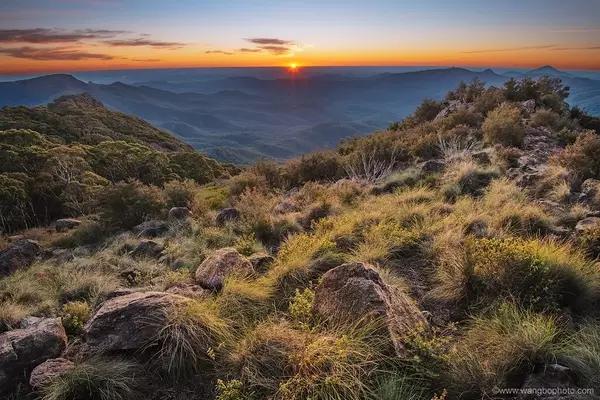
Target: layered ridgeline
x,y
55,159
451,256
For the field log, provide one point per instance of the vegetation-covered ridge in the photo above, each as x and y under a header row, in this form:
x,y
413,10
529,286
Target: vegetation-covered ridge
x,y
451,256
55,159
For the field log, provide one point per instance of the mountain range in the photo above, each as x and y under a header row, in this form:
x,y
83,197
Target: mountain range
x,y
243,118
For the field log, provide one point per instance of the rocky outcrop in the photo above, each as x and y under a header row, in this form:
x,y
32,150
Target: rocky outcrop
x,y
547,380
261,261
23,349
539,145
590,192
19,254
355,292
451,107
131,321
65,224
179,213
48,370
227,215
222,263
151,229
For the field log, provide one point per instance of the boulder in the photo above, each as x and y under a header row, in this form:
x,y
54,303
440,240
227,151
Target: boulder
x,y
590,188
23,349
189,290
482,157
451,107
65,224
19,254
49,369
148,248
129,322
355,292
286,206
151,229
553,382
587,224
226,215
219,265
179,213
261,261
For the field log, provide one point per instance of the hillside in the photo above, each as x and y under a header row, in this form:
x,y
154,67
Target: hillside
x,y
452,256
54,159
241,119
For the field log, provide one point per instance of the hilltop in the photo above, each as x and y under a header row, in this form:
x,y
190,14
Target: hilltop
x,y
453,255
56,158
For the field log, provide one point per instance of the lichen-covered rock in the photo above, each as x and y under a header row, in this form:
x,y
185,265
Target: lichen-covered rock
x,y
23,349
19,254
226,215
131,321
432,166
590,191
355,292
48,370
65,224
219,265
179,213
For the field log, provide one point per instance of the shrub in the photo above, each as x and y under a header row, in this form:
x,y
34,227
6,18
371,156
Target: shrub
x,y
397,386
546,118
581,157
74,316
427,110
542,275
497,348
95,379
231,390
503,126
127,204
180,193
247,180
300,307
318,167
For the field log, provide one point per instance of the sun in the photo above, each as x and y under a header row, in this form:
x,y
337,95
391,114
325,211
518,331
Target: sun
x,y
293,67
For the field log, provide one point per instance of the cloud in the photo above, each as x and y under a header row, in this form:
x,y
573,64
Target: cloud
x,y
539,47
270,41
56,53
146,59
143,42
577,48
247,50
277,50
227,53
44,36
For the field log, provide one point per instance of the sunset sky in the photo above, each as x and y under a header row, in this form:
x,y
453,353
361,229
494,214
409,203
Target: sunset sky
x,y
73,35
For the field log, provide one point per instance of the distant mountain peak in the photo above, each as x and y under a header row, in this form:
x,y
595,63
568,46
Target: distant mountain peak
x,y
547,70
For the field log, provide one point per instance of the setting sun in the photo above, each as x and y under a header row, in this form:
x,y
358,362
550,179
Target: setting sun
x,y
293,67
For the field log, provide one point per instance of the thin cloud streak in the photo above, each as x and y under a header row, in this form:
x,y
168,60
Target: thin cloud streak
x,y
227,53
143,42
269,41
46,36
53,54
542,47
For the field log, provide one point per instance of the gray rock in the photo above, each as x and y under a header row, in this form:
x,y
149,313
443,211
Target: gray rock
x,y
482,157
148,248
17,255
590,188
355,292
23,349
226,215
432,166
65,224
528,106
131,321
151,229
219,265
48,370
189,290
179,213
587,224
547,380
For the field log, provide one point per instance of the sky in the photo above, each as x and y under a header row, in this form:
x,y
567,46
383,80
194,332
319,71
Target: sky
x,y
79,35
